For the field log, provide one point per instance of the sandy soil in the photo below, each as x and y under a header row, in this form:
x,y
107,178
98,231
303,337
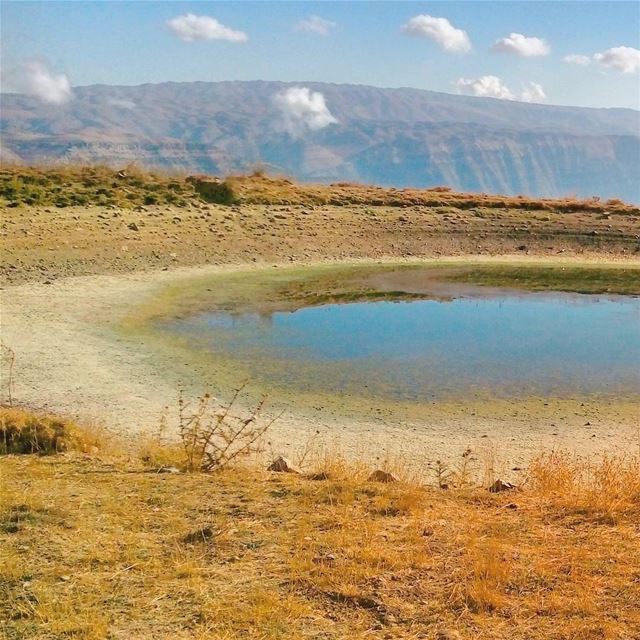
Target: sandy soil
x,y
44,244
70,358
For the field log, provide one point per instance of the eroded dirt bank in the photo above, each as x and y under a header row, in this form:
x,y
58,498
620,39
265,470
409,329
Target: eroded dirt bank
x,y
42,244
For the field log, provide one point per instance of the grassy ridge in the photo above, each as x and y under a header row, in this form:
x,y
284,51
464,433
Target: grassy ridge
x,y
63,186
98,547
100,186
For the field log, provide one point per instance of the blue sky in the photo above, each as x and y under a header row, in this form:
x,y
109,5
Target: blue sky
x,y
130,43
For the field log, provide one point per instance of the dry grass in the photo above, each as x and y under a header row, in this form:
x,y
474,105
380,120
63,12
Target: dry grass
x,y
25,432
96,548
69,185
260,189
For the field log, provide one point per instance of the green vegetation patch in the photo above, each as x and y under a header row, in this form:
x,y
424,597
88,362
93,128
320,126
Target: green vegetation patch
x,y
575,279
268,291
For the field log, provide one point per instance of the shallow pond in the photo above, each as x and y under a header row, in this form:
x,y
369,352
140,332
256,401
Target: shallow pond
x,y
499,341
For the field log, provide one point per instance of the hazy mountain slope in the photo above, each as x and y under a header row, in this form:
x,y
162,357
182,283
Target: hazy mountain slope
x,y
390,136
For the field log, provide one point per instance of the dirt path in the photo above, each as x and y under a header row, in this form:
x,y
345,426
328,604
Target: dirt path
x,y
70,359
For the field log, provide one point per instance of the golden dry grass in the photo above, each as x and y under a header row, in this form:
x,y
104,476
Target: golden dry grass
x,y
133,186
23,431
260,189
99,547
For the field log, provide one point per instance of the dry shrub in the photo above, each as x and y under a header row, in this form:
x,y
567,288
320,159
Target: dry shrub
x,y
24,432
214,191
608,487
158,453
211,434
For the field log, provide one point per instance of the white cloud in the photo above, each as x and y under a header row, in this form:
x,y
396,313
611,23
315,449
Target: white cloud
x,y
315,24
494,87
520,45
302,109
36,79
122,104
625,59
576,58
190,28
533,92
439,30
485,86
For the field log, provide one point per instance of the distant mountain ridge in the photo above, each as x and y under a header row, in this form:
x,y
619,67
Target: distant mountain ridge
x,y
392,137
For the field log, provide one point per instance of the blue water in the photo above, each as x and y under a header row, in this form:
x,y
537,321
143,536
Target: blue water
x,y
419,350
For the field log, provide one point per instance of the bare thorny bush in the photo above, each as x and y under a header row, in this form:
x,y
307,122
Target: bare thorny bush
x,y
213,434
461,474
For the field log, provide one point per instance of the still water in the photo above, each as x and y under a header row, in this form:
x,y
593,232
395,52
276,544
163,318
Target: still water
x,y
509,344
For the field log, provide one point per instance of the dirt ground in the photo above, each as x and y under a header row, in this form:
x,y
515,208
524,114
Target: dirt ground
x,y
69,276
70,358
42,244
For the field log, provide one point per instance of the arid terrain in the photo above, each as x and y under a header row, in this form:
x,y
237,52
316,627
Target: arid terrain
x,y
126,250
101,544
277,221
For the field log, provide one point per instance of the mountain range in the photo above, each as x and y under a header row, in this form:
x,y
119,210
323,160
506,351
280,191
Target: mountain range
x,y
393,137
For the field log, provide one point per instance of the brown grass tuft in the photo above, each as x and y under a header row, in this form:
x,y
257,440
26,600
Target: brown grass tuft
x,y
24,432
605,489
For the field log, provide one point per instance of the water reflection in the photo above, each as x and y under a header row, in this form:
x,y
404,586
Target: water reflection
x,y
509,344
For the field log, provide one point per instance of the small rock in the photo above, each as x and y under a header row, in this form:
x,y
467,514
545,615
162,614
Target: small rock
x,y
168,470
522,247
328,559
499,486
382,476
320,475
282,465
204,534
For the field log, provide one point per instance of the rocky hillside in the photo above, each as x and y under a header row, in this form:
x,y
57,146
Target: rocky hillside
x,y
393,137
